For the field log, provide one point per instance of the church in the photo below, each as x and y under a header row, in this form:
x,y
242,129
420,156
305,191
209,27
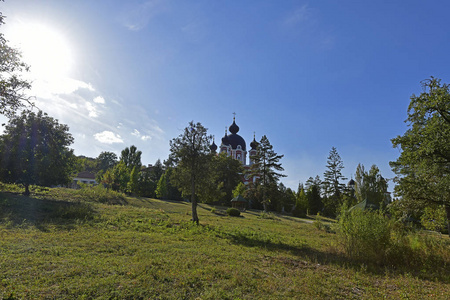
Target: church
x,y
234,145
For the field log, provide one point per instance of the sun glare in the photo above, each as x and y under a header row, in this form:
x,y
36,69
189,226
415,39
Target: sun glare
x,y
44,49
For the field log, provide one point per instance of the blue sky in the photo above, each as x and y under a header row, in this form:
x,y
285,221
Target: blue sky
x,y
310,75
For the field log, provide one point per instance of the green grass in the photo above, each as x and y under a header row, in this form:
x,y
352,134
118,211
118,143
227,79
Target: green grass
x,y
66,244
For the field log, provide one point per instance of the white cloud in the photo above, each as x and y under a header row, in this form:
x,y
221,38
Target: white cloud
x,y
137,134
48,88
99,100
108,137
93,113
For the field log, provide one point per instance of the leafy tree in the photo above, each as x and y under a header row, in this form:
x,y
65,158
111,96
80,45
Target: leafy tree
x,y
87,164
433,218
301,203
131,157
226,173
165,189
117,178
423,168
315,204
12,86
133,183
106,160
266,167
146,186
34,149
370,186
239,189
157,171
190,150
314,199
333,188
287,199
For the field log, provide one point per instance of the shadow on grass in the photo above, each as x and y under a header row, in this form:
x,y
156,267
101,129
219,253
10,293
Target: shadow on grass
x,y
18,210
432,267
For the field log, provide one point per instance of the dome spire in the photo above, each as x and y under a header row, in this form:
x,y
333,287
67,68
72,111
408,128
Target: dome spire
x,y
254,143
234,128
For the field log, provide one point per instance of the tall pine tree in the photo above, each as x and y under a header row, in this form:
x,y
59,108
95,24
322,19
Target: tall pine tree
x,y
333,188
266,167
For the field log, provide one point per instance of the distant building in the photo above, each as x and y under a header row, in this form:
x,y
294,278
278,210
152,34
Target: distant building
x,y
85,178
234,145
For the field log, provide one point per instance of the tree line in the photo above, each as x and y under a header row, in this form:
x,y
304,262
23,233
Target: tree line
x,y
34,149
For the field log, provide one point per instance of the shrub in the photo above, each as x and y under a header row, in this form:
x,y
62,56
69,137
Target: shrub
x,y
234,212
365,235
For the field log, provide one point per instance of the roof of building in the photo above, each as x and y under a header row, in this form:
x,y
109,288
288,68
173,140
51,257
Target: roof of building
x,y
234,139
85,174
239,198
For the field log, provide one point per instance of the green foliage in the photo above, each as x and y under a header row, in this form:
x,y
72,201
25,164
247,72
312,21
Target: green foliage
x,y
423,168
117,178
131,157
370,185
301,204
106,160
190,151
34,149
233,212
239,190
333,188
365,235
315,204
12,85
434,218
165,189
225,174
266,167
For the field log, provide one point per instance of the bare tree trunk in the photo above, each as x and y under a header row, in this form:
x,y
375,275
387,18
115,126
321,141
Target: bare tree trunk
x,y
447,209
27,189
194,202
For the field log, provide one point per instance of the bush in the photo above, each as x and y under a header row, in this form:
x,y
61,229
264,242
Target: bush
x,y
365,235
233,212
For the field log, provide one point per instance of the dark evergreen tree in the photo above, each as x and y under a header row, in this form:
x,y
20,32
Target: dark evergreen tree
x,y
333,187
313,191
157,171
226,174
266,168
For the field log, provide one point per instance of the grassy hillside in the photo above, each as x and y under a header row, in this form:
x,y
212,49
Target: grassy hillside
x,y
66,244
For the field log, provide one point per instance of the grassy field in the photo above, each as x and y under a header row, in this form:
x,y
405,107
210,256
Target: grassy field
x,y
61,244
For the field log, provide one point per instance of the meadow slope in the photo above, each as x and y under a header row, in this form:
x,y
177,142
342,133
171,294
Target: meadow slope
x,y
59,244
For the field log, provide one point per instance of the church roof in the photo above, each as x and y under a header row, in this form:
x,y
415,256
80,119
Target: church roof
x,y
234,139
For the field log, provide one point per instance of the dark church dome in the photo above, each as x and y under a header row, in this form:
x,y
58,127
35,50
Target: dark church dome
x,y
225,140
213,147
234,128
254,144
235,140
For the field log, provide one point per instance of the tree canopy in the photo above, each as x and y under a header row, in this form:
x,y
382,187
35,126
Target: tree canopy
x,y
191,154
266,167
34,149
423,167
12,85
